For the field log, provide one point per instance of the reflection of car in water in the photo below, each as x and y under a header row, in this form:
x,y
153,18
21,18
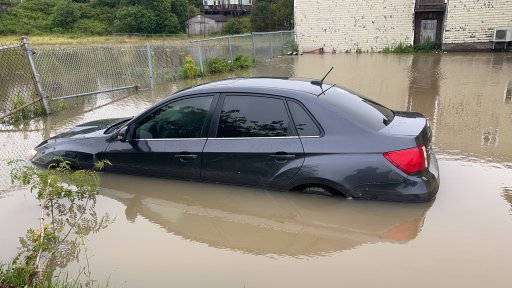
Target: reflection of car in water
x,y
262,223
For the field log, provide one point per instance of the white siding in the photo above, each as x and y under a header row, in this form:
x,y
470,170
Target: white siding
x,y
199,25
471,21
351,24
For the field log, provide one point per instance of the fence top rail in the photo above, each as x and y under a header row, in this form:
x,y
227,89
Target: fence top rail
x,y
221,37
239,35
133,47
272,32
9,46
148,34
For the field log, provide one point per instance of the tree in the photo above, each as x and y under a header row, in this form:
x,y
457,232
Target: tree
x,y
267,15
107,3
282,13
134,19
179,8
65,16
260,15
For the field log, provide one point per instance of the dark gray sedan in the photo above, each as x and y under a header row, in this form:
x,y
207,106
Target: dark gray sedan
x,y
282,134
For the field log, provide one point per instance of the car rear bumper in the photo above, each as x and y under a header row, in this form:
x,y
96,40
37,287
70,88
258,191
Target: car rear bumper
x,y
414,189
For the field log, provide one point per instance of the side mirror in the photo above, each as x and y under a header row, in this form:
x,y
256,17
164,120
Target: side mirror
x,y
122,135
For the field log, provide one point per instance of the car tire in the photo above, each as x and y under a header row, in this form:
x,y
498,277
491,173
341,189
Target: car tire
x,y
317,190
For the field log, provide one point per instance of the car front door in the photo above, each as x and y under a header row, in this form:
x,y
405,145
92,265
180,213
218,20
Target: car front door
x,y
253,142
167,142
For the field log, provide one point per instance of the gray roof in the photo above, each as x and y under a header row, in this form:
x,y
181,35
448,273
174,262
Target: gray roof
x,y
217,17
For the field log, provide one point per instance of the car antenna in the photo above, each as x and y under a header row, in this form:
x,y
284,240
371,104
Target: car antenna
x,y
321,83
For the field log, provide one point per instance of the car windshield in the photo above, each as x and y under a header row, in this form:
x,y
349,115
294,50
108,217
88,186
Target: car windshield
x,y
358,109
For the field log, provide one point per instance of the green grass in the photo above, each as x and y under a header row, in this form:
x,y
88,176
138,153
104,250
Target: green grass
x,y
82,40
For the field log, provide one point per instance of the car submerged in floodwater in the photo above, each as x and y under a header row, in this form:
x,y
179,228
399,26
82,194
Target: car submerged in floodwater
x,y
275,133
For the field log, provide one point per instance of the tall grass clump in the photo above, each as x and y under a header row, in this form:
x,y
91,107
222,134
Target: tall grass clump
x,y
428,46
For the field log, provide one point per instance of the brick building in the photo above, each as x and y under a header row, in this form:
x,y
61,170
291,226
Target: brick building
x,y
349,25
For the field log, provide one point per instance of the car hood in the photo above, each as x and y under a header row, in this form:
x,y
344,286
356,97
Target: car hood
x,y
85,130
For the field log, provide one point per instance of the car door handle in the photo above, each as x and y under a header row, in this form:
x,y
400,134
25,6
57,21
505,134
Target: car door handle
x,y
282,156
186,156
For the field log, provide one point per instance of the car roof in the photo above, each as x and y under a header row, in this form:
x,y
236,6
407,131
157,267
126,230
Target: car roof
x,y
260,85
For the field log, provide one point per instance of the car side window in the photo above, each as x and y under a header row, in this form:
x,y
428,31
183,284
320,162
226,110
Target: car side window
x,y
305,125
179,119
253,116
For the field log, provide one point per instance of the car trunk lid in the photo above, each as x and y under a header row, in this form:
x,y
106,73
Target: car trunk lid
x,y
410,124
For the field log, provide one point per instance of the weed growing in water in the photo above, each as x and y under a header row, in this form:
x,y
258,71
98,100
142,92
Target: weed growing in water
x,y
67,199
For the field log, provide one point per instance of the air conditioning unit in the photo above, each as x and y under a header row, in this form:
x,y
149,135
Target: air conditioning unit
x,y
503,34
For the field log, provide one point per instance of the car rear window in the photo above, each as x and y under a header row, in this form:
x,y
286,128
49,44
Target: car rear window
x,y
358,109
304,124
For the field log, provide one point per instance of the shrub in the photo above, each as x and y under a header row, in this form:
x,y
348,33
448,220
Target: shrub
x,y
190,70
243,62
218,65
91,27
27,18
235,26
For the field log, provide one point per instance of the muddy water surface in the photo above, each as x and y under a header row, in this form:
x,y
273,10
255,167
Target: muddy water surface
x,y
173,233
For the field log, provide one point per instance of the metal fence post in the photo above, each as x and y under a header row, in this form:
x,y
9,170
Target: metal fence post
x,y
253,48
282,43
150,65
200,56
230,50
37,77
270,47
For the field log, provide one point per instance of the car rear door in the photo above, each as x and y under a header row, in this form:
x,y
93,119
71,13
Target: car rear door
x,y
252,142
167,142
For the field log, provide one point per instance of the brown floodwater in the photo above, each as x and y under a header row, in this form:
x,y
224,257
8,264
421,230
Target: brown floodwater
x,y
183,234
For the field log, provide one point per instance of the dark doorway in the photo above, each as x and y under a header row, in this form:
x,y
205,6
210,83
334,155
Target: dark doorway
x,y
429,21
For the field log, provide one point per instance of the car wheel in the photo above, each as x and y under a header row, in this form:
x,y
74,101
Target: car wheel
x,y
317,190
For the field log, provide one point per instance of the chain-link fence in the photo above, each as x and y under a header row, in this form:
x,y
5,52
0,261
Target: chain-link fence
x,y
18,93
260,46
73,75
69,77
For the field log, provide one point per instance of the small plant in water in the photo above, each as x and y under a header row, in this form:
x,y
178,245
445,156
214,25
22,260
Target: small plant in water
x,y
190,70
67,201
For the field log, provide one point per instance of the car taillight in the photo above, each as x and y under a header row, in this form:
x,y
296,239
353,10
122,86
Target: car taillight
x,y
412,160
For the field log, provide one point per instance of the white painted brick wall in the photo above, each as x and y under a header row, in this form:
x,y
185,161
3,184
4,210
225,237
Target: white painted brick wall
x,y
349,24
475,20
